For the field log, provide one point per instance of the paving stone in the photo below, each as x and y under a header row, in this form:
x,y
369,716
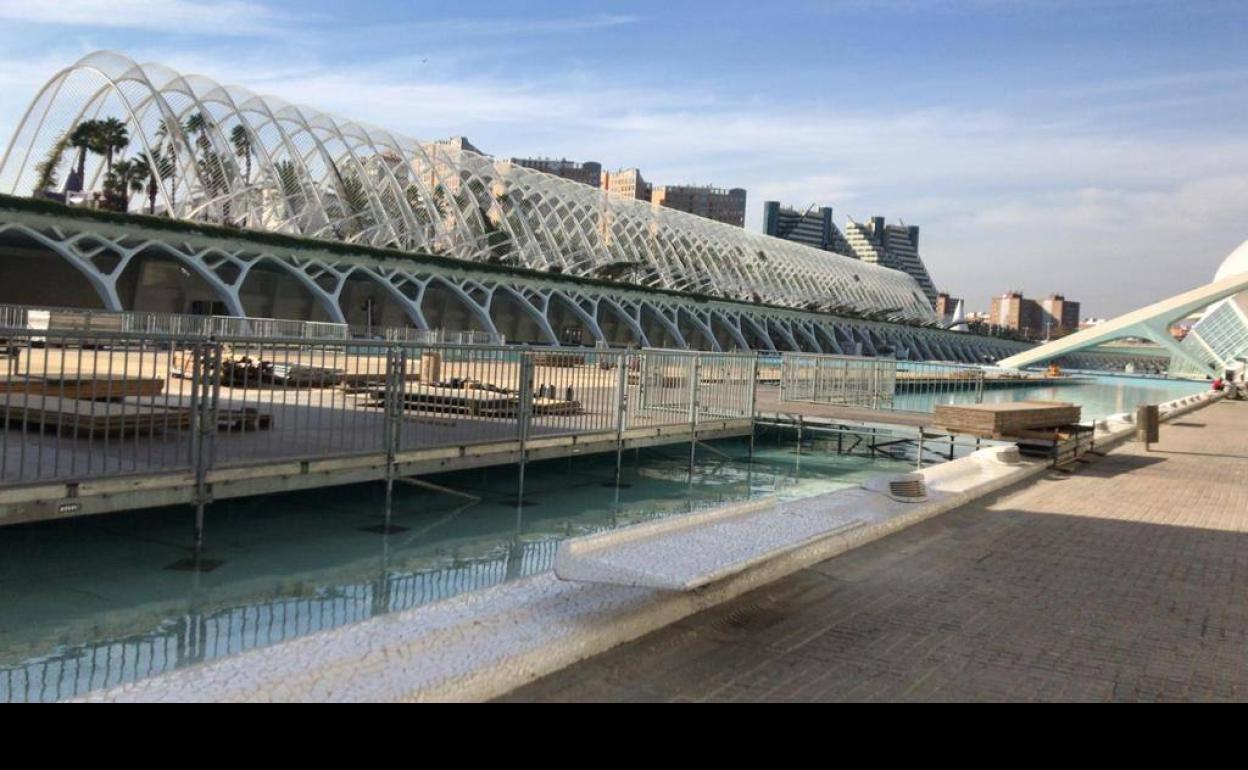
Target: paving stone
x,y
1126,581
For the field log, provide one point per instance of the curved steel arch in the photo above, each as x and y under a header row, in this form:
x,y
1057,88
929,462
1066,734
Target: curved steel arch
x,y
320,176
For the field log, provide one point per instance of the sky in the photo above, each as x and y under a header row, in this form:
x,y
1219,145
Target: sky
x,y
1093,148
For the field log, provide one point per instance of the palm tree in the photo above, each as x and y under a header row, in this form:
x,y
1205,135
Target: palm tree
x,y
153,187
168,138
242,149
112,137
83,139
46,169
124,178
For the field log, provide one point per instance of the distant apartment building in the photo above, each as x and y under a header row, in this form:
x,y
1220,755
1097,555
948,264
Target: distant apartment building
x,y
895,246
813,227
1058,316
727,206
1012,310
945,307
460,143
626,183
589,172
1054,316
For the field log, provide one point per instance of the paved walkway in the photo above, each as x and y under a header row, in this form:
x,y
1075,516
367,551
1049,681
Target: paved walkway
x,y
1127,581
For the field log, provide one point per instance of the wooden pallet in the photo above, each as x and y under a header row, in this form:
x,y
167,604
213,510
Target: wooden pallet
x,y
1063,445
85,388
1007,420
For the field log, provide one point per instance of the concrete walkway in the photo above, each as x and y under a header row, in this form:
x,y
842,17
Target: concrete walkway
x,y
1126,581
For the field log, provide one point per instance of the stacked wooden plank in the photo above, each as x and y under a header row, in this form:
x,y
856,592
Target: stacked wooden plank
x,y
558,360
85,387
75,417
1005,420
474,401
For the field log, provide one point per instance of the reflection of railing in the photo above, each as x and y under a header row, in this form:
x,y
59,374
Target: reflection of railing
x,y
199,636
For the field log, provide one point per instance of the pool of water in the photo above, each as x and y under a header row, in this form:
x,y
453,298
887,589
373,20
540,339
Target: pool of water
x,y
1100,396
92,602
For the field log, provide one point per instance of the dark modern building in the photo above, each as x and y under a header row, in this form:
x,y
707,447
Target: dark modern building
x,y
813,227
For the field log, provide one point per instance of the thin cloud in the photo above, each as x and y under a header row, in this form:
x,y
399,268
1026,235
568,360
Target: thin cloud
x,y
222,17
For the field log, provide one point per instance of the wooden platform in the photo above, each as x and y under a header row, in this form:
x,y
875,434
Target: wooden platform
x,y
85,388
1005,420
769,404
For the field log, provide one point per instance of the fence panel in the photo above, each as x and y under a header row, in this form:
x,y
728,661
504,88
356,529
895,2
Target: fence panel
x,y
838,380
282,400
726,384
459,395
575,391
80,406
659,388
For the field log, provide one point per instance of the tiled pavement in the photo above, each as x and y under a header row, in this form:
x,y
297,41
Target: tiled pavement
x,y
1126,581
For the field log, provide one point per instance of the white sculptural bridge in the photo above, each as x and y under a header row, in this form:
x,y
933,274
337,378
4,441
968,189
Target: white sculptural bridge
x,y
1216,342
225,155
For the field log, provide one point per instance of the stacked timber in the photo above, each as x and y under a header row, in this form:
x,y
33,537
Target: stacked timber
x,y
558,360
473,400
85,388
1006,420
248,372
73,417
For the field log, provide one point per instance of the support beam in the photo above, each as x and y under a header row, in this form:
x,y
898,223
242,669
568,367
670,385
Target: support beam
x,y
1151,322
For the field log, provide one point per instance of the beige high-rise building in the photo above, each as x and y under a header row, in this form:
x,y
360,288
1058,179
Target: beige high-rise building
x,y
626,183
1059,316
727,206
1013,311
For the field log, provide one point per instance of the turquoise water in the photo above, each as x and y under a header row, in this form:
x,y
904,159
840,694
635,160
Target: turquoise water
x,y
1100,396
90,603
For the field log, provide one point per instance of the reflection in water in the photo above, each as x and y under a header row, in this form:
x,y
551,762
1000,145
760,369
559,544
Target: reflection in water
x,y
88,603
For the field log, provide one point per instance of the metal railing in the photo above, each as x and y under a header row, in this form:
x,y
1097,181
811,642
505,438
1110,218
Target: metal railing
x,y
63,320
442,336
890,384
838,380
82,406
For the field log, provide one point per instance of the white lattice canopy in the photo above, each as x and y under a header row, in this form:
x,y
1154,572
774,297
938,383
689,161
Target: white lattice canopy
x,y
225,155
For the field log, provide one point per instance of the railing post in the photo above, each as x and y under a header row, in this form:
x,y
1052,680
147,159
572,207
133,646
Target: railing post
x,y
396,370
695,376
753,398
621,411
206,389
525,417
